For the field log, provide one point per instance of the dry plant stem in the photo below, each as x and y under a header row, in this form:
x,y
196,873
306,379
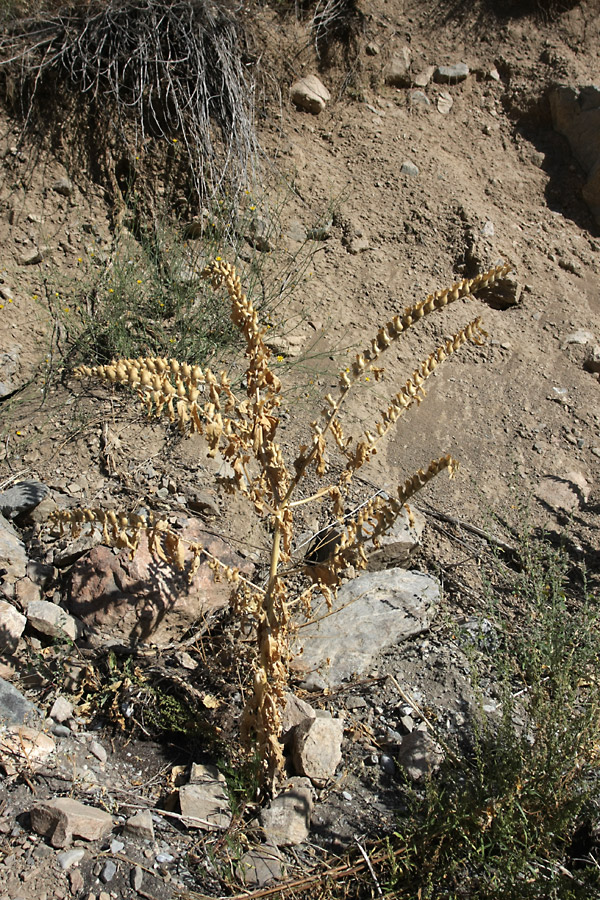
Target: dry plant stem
x,y
244,432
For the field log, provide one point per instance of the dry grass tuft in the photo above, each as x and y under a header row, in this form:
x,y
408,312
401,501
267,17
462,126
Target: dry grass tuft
x,y
175,71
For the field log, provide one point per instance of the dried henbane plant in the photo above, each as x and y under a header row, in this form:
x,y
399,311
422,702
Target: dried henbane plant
x,y
244,431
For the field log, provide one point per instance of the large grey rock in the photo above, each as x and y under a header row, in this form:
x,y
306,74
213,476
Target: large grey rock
x,y
286,821
576,115
51,619
21,497
63,819
310,93
12,625
15,709
204,801
370,613
317,748
13,558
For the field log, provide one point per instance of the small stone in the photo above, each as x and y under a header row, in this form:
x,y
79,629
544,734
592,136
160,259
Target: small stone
x,y
407,723
408,168
136,878
64,818
116,846
355,702
494,74
63,186
317,748
12,625
61,731
451,74
397,72
286,821
294,713
347,795
26,592
50,619
164,858
372,49
260,866
76,882
109,870
98,751
419,755
23,747
61,709
444,103
15,709
13,558
487,229
423,78
419,100
578,337
592,359
186,660
70,858
310,94
387,764
140,825
564,494
204,802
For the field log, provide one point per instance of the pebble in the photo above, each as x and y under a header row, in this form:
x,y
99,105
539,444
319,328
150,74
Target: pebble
x,y
98,751
136,877
61,731
116,846
70,858
408,168
387,764
419,99
451,74
109,870
164,858
61,709
347,795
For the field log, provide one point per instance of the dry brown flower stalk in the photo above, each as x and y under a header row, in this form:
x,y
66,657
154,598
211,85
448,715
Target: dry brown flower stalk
x,y
243,431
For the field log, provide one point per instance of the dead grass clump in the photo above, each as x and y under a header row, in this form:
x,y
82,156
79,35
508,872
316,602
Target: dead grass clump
x,y
176,71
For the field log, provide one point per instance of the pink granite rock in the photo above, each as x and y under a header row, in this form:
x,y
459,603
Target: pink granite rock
x,y
145,599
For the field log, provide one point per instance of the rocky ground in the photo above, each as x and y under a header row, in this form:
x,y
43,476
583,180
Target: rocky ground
x,y
405,177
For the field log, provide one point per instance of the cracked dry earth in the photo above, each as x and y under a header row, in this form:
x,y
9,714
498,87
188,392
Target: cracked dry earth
x,y
412,196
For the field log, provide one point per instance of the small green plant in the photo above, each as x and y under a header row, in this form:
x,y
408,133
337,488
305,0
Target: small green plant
x,y
501,825
244,431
